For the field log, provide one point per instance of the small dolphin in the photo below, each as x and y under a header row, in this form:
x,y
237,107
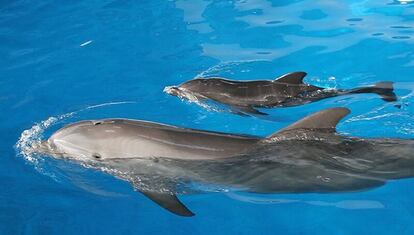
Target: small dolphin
x,y
162,161
244,97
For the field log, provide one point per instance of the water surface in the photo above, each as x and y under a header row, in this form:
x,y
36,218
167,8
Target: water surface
x,y
67,61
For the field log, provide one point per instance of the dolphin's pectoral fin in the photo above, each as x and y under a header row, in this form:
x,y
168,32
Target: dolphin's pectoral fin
x,y
237,111
292,78
323,120
169,202
243,110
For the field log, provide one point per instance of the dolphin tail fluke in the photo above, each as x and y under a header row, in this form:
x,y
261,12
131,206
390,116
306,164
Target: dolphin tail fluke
x,y
169,202
383,89
386,91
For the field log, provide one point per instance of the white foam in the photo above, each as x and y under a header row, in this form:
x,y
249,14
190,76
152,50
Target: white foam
x,y
30,138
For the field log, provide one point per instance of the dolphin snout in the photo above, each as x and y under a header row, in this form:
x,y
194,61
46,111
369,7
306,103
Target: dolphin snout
x,y
43,147
172,90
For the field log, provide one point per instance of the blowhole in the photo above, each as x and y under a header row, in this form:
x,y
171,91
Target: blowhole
x,y
96,156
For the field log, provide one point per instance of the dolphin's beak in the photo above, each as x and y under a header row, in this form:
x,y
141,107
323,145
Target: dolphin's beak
x,y
42,147
172,90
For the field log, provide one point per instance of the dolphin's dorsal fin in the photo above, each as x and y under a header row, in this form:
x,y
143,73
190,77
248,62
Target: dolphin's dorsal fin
x,y
292,78
169,202
326,119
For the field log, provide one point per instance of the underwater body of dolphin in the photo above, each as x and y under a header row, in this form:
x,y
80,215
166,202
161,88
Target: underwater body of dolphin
x,y
162,161
244,97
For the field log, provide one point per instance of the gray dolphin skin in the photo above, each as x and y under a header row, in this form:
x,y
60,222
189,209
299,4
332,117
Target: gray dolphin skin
x,y
163,161
244,97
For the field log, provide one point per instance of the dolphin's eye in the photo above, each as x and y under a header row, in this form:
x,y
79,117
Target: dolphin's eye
x,y
96,156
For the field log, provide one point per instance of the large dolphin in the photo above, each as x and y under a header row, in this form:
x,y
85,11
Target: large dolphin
x,y
244,97
162,161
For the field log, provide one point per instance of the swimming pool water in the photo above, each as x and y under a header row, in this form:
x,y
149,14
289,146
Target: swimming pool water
x,y
72,60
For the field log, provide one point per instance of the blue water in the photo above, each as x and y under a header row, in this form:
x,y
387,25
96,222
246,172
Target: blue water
x,y
62,61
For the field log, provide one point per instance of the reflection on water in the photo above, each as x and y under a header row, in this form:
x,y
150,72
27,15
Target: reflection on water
x,y
402,2
280,30
345,204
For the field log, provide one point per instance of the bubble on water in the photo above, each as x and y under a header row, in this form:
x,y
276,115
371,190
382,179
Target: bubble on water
x,y
30,137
